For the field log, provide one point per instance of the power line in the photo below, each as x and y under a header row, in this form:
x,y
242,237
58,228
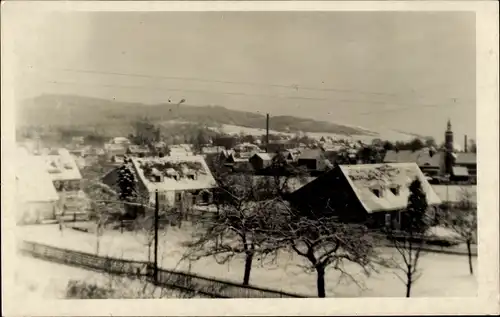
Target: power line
x,y
197,79
409,106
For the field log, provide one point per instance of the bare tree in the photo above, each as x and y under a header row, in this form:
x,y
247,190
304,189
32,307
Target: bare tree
x,y
239,225
463,221
410,240
326,243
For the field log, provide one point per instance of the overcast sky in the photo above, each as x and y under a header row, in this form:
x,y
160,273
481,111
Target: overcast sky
x,y
404,71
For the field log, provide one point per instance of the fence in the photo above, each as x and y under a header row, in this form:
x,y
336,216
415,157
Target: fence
x,y
188,282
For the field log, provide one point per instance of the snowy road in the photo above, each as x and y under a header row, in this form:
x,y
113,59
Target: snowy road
x,y
443,275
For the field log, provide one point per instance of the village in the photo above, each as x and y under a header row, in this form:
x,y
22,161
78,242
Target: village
x,y
96,198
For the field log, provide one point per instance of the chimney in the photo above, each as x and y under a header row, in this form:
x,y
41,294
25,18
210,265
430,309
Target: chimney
x,y
465,143
267,132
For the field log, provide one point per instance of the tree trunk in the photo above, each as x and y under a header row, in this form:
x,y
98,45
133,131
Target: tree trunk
x,y
408,282
321,281
469,251
248,267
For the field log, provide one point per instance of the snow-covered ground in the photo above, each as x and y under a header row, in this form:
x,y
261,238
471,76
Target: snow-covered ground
x,y
36,279
443,275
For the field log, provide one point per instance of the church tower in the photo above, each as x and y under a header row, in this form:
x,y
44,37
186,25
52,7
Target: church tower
x,y
448,145
448,138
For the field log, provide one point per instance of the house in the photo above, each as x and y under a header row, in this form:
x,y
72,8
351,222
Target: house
x,y
36,196
261,161
467,161
179,150
280,145
66,178
138,151
115,152
247,148
373,194
181,181
428,160
212,150
312,160
63,170
120,140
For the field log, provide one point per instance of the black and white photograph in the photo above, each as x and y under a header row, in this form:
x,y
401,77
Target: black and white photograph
x,y
244,154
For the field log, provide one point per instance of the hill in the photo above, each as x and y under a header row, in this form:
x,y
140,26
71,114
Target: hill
x,y
77,111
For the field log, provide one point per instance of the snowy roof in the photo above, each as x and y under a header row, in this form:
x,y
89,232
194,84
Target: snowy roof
x,y
455,193
34,183
138,149
367,179
184,166
422,157
212,149
120,140
460,171
466,158
117,149
265,156
61,165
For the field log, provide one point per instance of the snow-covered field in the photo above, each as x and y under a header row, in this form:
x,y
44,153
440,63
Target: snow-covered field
x,y
382,133
443,275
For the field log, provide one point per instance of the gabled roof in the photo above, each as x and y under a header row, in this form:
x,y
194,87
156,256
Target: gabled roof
x,y
61,165
34,183
264,156
366,178
466,158
311,154
183,165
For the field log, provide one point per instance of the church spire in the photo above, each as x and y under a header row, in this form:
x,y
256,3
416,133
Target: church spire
x,y
449,125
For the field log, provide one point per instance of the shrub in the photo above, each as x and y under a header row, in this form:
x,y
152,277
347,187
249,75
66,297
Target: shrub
x,y
82,290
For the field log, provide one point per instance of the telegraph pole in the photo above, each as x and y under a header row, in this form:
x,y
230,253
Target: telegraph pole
x,y
157,207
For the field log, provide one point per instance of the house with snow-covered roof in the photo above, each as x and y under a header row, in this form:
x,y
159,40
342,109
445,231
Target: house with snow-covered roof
x,y
261,161
181,181
36,196
66,178
374,194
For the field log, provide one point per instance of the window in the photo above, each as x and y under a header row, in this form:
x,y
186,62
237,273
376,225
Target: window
x,y
178,197
395,190
377,192
387,220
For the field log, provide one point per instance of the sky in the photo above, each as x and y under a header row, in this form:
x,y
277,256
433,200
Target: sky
x,y
409,71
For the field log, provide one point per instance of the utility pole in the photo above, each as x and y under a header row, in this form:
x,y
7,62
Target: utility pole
x,y
267,133
157,208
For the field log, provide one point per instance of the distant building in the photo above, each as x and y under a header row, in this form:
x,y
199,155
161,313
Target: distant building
x,y
179,150
460,166
120,140
312,160
429,161
373,194
116,152
280,145
212,150
138,151
261,161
